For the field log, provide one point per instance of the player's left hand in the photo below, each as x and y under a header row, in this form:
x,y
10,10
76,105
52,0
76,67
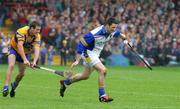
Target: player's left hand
x,y
74,63
33,64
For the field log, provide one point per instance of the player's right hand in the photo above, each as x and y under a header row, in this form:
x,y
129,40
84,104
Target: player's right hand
x,y
123,36
74,64
26,62
125,41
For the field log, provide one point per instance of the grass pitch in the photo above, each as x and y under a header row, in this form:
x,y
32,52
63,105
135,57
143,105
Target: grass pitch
x,y
131,88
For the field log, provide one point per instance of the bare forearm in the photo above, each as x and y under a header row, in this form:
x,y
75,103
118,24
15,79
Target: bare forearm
x,y
78,57
125,38
21,52
36,54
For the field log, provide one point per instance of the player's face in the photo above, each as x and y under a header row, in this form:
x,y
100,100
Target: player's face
x,y
112,27
36,30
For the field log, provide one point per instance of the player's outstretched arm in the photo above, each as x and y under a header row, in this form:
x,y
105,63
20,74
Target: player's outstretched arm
x,y
36,55
21,52
125,38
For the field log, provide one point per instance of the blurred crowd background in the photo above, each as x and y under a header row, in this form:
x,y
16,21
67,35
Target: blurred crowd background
x,y
153,28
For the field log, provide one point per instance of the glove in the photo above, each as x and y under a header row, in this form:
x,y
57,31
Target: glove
x,y
125,41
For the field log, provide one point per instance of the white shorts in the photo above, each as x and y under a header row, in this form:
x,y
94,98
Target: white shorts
x,y
94,59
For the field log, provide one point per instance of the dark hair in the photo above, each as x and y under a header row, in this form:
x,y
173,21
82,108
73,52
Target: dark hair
x,y
111,20
34,24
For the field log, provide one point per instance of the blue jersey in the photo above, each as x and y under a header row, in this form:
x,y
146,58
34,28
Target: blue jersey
x,y
95,40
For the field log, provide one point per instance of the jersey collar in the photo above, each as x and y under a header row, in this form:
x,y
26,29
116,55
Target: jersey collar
x,y
30,34
106,34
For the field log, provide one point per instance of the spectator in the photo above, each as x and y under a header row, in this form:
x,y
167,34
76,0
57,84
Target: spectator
x,y
43,53
5,46
64,52
1,55
106,52
51,52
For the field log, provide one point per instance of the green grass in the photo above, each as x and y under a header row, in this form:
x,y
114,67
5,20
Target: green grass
x,y
131,88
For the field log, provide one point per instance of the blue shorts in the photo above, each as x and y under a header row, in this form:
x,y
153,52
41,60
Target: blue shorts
x,y
18,57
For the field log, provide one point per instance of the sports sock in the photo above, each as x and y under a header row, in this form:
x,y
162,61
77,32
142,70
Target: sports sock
x,y
14,85
67,81
5,87
101,91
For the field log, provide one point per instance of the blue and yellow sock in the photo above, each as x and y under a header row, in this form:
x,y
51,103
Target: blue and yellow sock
x,y
101,91
5,87
14,85
67,81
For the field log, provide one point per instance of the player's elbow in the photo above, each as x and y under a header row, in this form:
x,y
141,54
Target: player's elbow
x,y
20,46
84,76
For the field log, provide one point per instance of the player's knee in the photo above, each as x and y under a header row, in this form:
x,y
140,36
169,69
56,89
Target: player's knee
x,y
21,71
21,74
11,67
103,71
85,77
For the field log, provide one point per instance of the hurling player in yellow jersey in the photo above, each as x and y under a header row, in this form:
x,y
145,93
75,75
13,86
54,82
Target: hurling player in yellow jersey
x,y
24,41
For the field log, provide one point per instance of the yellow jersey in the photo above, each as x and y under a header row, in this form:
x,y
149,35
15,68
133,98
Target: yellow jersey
x,y
22,34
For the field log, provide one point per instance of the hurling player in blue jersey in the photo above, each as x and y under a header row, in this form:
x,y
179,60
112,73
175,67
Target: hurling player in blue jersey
x,y
89,49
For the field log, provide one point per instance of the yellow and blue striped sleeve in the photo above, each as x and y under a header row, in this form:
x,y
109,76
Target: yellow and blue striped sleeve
x,y
20,34
37,41
87,42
